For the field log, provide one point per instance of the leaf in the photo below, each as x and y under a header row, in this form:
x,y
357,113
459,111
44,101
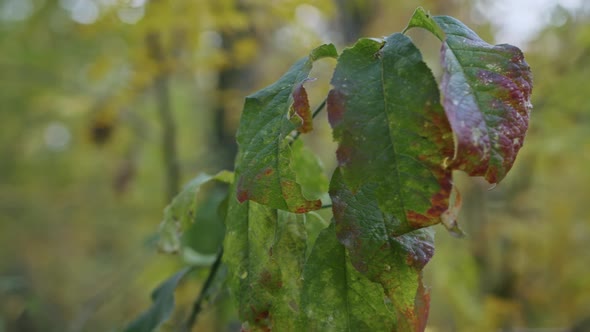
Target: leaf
x,y
264,160
181,212
264,252
195,258
335,297
300,112
309,171
391,131
486,94
379,252
288,252
449,217
161,309
205,235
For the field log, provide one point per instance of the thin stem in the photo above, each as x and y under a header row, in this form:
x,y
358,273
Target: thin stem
x,y
197,305
315,113
319,108
326,206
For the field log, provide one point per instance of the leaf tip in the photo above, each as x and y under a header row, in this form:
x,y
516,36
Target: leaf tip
x,y
300,110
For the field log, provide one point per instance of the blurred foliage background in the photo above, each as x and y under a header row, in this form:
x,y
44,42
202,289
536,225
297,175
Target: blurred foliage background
x,y
108,106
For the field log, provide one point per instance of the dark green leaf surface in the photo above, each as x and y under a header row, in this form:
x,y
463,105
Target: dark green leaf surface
x,y
379,252
202,240
180,213
335,297
161,309
486,91
264,160
392,132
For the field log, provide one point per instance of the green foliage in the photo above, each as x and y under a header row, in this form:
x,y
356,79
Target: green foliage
x,y
405,137
264,173
395,158
335,296
180,214
163,306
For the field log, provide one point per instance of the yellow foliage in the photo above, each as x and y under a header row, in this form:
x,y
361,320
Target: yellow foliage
x,y
245,50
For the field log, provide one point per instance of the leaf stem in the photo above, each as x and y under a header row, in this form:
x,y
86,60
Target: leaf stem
x,y
319,108
326,206
197,305
315,113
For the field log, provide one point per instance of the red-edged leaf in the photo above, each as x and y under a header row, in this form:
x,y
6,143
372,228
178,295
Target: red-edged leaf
x,y
380,253
301,109
391,129
263,166
486,91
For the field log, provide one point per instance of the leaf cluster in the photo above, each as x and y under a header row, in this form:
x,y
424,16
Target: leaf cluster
x,y
400,135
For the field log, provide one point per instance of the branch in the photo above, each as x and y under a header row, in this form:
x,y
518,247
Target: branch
x,y
197,305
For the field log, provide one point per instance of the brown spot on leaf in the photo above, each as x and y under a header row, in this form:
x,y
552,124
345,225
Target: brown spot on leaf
x,y
267,280
344,155
336,107
301,209
261,319
266,172
291,187
301,108
242,195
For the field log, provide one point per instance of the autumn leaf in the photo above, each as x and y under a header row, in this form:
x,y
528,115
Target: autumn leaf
x,y
391,131
381,253
486,95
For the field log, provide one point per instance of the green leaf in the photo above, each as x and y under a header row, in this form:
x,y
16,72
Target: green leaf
x,y
181,212
379,252
486,94
335,297
309,171
205,235
195,258
264,161
161,309
423,19
391,130
264,252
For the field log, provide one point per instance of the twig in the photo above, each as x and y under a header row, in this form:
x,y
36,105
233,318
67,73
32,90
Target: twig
x,y
326,206
197,305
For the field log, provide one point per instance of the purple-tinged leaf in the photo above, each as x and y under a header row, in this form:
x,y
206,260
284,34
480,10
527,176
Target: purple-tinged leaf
x,y
486,91
263,166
